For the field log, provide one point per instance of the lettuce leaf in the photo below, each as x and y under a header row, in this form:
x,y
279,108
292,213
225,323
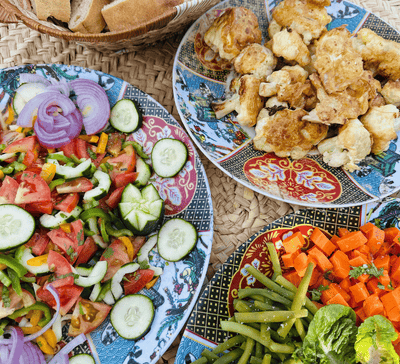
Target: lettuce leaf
x,y
374,341
330,337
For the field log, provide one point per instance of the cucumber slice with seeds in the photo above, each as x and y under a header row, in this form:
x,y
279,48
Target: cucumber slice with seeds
x,y
168,157
82,359
26,92
125,116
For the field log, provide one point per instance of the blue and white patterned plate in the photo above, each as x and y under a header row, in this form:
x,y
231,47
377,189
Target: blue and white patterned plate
x,y
187,196
199,79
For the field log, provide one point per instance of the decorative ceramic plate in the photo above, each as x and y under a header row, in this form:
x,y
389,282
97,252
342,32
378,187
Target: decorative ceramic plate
x,y
187,196
198,80
216,302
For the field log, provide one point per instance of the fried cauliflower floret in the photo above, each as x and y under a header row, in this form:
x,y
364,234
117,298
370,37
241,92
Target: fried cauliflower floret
x,y
246,102
256,60
337,108
381,56
232,31
286,134
273,28
391,92
348,148
337,62
288,44
382,125
307,17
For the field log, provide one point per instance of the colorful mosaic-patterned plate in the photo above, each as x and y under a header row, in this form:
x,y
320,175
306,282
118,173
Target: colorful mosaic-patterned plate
x,y
216,302
187,196
198,80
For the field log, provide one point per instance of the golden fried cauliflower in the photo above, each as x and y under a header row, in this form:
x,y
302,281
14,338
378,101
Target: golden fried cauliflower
x,y
288,44
382,124
232,31
348,148
285,133
380,55
273,28
391,92
256,60
246,102
307,17
337,62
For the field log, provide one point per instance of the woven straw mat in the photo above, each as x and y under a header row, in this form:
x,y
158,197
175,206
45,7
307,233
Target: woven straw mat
x,y
239,212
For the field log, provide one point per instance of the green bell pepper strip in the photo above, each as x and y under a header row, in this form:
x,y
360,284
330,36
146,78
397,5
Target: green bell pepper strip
x,y
21,157
3,324
36,306
4,279
13,264
60,157
16,284
94,212
87,232
18,167
138,149
115,221
117,233
75,159
8,170
103,231
53,184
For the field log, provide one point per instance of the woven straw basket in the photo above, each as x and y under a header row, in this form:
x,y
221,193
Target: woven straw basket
x,y
155,29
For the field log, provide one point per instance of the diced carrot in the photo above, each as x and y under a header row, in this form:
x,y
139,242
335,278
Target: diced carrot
x,y
363,278
341,264
391,300
394,314
392,235
373,305
395,270
372,286
344,294
334,239
351,241
359,292
331,292
337,299
343,232
318,304
293,277
301,263
395,249
385,280
382,262
322,242
353,304
315,277
323,262
364,249
360,314
293,242
358,261
288,259
384,249
345,284
367,227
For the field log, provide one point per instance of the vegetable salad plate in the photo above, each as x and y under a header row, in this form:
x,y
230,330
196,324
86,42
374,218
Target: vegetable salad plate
x,y
199,80
203,329
186,196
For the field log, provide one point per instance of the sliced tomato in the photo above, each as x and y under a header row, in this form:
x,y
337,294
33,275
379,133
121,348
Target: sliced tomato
x,y
69,148
121,180
45,207
114,143
137,243
124,163
38,242
99,157
31,156
89,248
58,264
116,256
87,316
80,184
32,189
81,148
77,236
69,294
114,198
136,281
68,202
8,190
22,145
67,245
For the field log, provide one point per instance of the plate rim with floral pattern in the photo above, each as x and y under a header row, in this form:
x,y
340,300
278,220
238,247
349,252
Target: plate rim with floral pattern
x,y
187,195
216,301
308,182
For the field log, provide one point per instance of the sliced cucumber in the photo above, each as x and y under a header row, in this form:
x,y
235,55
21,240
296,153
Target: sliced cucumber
x,y
101,190
116,280
141,211
4,157
125,116
23,254
106,287
53,222
144,172
83,169
16,226
168,157
176,239
109,298
95,292
143,254
132,316
26,92
82,359
84,270
95,276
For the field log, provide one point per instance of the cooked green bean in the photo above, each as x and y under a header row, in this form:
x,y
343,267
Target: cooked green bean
x,y
264,331
255,360
230,343
201,360
259,350
266,359
243,306
247,351
258,297
274,296
211,357
276,265
300,329
229,357
269,316
267,307
245,330
281,348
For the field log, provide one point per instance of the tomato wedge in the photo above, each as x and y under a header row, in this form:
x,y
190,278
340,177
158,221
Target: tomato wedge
x,y
87,316
38,242
8,190
81,147
80,184
114,144
67,203
115,197
69,148
69,294
22,145
45,207
32,189
121,180
124,163
59,265
137,281
89,248
116,256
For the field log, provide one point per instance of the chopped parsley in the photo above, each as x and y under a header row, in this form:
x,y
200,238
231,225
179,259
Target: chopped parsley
x,y
144,265
108,253
109,166
370,269
80,238
316,293
91,153
71,253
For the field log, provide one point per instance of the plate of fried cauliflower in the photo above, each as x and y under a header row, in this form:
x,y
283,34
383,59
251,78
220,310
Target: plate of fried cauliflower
x,y
296,99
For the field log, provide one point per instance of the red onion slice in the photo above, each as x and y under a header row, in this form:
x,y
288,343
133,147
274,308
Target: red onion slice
x,y
63,353
11,355
93,103
32,77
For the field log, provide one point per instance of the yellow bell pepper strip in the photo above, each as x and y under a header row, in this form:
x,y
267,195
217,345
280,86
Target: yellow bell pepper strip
x,y
44,345
89,138
101,146
128,246
51,150
36,306
30,330
19,129
13,264
36,317
37,261
51,338
66,227
10,116
1,174
151,283
48,172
